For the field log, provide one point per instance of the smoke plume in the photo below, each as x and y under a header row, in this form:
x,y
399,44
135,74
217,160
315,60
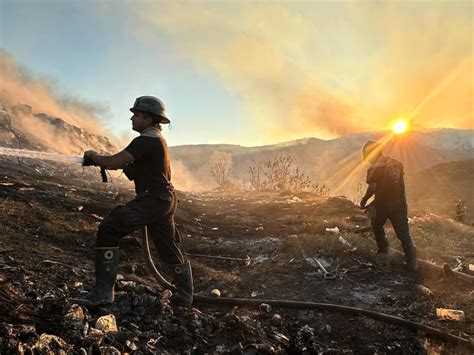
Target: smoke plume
x,y
18,87
328,69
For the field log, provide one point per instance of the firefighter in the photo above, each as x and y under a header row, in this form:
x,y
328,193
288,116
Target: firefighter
x,y
145,161
385,181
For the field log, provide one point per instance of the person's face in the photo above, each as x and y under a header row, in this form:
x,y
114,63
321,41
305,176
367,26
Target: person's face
x,y
140,121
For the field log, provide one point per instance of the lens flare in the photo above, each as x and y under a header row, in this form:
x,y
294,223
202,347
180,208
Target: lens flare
x,y
400,126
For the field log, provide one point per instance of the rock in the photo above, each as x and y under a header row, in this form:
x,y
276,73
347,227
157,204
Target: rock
x,y
95,333
75,312
424,290
107,323
50,344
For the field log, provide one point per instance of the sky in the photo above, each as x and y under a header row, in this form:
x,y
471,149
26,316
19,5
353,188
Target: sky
x,y
244,72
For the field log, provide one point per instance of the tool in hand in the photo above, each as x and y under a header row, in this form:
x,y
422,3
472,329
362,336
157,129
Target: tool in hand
x,y
87,161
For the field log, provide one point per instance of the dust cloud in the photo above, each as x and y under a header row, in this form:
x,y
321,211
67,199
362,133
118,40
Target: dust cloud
x,y
184,180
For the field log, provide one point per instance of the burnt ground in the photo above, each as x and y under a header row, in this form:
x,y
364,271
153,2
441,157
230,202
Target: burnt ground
x,y
49,215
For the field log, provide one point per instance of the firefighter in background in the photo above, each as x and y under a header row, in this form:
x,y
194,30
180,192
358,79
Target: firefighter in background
x,y
385,180
145,161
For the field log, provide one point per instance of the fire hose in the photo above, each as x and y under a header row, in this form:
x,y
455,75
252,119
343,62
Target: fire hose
x,y
300,305
287,303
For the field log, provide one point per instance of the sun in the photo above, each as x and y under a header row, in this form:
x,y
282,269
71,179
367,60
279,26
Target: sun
x,y
400,126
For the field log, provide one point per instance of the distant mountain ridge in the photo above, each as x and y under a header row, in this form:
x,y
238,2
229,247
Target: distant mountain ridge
x,y
332,161
337,162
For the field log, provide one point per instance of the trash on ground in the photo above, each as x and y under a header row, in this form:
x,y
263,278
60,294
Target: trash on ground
x,y
450,314
294,199
334,230
259,259
346,245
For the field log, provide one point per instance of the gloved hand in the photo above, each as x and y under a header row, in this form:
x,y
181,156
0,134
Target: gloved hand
x,y
88,161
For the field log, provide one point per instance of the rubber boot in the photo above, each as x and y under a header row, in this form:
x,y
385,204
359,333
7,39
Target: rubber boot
x,y
410,255
106,267
183,278
382,244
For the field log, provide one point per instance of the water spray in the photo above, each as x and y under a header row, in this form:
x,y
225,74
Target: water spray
x,y
34,154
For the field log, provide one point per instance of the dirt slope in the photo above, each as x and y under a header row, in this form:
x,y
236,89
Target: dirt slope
x,y
48,221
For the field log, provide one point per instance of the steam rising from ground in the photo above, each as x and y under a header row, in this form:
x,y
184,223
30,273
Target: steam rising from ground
x,y
327,69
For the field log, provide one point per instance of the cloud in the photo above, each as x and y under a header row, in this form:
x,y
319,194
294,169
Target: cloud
x,y
327,69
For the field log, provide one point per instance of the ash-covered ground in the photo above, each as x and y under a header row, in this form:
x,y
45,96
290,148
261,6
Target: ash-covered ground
x,y
49,214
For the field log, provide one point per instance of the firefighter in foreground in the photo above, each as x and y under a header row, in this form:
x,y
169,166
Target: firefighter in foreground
x,y
146,161
385,180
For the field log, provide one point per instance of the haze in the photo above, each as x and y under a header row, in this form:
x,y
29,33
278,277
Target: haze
x,y
243,73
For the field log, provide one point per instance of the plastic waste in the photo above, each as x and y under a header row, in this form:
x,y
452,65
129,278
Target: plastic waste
x,y
334,230
450,314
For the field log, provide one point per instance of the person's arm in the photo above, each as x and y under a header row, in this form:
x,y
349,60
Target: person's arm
x,y
368,194
111,162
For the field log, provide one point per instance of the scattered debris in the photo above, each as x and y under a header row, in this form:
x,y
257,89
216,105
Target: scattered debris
x,y
424,290
96,217
107,323
346,245
215,292
246,260
450,314
358,218
259,259
51,262
51,344
26,189
294,199
426,218
334,230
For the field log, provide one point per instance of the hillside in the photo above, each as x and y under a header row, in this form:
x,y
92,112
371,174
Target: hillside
x,y
22,128
438,188
49,218
334,162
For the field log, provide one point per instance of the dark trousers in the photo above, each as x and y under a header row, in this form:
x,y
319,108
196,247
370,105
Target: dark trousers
x,y
154,210
397,215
